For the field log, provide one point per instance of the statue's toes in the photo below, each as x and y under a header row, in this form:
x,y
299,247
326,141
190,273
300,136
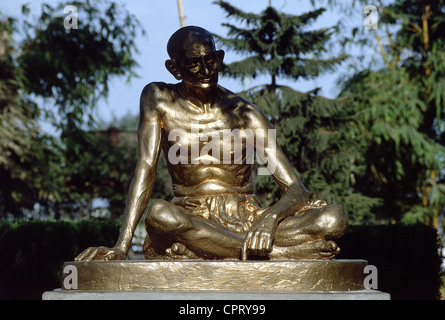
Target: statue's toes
x,y
331,246
180,250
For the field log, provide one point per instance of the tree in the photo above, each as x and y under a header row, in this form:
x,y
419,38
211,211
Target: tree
x,y
422,26
277,44
70,70
400,101
318,135
72,67
26,155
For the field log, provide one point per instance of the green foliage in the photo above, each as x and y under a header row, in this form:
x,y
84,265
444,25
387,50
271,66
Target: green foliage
x,y
33,253
277,44
36,177
408,14
98,169
71,70
26,155
402,108
73,66
391,112
406,258
17,125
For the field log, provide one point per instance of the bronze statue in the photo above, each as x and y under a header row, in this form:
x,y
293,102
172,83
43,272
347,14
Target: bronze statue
x,y
214,214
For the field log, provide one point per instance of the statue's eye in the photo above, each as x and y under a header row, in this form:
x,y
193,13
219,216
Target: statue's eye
x,y
210,59
192,64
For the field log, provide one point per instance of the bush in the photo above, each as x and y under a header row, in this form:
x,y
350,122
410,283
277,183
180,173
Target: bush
x,y
406,257
33,252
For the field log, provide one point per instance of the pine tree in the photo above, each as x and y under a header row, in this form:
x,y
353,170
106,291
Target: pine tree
x,y
317,134
277,44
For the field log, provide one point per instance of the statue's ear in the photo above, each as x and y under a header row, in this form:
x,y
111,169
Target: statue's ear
x,y
173,68
220,54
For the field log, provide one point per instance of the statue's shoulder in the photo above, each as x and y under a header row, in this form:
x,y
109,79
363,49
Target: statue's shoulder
x,y
158,89
156,96
244,108
234,100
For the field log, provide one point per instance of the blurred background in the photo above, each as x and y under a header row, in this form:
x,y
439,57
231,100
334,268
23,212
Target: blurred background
x,y
355,89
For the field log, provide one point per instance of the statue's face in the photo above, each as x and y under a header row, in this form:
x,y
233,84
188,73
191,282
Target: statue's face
x,y
200,66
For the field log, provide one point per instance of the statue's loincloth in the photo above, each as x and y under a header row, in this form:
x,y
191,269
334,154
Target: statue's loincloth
x,y
235,212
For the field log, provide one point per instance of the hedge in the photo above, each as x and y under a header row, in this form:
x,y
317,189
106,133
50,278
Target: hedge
x,y
32,254
407,258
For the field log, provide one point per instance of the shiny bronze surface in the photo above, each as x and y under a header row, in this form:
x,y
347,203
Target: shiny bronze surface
x,y
209,136
198,275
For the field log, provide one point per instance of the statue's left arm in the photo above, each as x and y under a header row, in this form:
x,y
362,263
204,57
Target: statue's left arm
x,y
260,237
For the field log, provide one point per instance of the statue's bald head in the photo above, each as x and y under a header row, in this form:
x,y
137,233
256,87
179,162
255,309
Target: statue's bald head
x,y
186,36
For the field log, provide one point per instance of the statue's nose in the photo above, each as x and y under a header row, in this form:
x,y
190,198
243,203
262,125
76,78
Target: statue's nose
x,y
205,69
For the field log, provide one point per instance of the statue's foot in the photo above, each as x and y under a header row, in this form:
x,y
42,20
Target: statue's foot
x,y
178,252
311,250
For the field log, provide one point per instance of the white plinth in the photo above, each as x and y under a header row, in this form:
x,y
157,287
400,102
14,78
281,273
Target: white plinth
x,y
59,294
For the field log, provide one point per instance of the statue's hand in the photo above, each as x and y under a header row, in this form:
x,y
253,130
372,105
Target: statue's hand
x,y
260,237
101,253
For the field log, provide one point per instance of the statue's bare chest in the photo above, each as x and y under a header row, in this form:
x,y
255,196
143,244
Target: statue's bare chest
x,y
217,136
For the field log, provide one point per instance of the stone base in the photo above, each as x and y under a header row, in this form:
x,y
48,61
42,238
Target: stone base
x,y
215,280
223,275
59,294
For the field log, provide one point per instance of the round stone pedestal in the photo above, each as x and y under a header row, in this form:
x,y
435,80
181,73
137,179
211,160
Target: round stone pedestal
x,y
270,276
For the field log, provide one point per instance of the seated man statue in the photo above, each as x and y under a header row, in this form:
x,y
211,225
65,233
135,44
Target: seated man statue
x,y
214,213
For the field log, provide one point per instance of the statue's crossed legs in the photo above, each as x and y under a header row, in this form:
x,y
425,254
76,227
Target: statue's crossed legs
x,y
214,227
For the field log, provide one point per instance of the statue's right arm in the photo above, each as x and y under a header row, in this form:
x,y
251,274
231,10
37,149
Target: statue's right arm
x,y
149,140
